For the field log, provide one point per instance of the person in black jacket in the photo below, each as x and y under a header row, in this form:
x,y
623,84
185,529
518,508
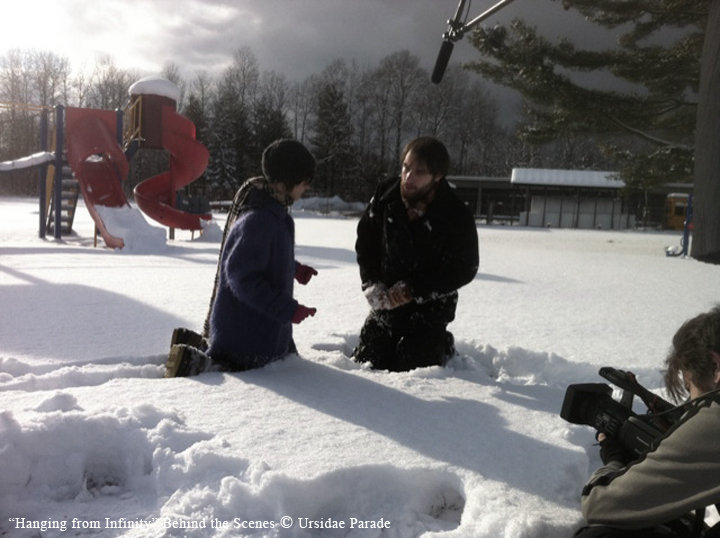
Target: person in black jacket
x,y
416,245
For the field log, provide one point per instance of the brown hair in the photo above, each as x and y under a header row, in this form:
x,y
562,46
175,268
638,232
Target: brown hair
x,y
691,354
431,152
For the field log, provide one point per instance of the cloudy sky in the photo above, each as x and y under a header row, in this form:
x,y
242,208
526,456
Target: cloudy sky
x,y
292,37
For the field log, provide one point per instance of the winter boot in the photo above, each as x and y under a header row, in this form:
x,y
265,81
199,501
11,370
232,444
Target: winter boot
x,y
185,361
182,335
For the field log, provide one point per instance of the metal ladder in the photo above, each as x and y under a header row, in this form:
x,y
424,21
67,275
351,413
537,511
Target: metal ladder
x,y
69,198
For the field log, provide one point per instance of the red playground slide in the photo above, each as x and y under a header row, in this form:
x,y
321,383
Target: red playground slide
x,y
98,162
188,160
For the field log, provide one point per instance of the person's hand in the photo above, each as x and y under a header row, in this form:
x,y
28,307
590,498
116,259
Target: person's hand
x,y
612,450
399,294
302,312
377,298
381,298
303,273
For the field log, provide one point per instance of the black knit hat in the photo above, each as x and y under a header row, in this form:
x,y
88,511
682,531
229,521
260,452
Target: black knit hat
x,y
289,162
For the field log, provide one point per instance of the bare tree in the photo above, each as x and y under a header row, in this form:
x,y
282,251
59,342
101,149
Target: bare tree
x,y
363,113
28,80
408,78
15,77
109,85
171,72
50,74
273,89
244,74
379,94
81,87
436,106
300,108
202,88
402,72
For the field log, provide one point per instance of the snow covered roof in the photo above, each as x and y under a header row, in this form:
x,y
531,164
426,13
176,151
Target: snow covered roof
x,y
477,179
566,178
26,162
155,86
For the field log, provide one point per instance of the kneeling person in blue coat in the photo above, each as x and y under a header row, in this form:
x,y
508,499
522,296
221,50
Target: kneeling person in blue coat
x,y
253,308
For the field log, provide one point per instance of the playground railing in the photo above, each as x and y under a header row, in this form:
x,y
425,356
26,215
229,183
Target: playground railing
x,y
133,122
24,106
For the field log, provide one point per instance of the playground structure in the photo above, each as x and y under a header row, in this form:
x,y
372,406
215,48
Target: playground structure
x,y
91,155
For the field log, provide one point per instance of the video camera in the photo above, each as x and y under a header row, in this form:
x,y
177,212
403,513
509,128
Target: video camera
x,y
592,404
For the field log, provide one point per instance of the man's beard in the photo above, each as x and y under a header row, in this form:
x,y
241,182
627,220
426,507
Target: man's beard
x,y
412,197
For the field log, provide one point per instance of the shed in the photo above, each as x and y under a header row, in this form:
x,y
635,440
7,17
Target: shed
x,y
493,199
572,198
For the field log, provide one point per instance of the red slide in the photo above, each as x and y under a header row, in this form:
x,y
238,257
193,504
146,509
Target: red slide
x,y
188,160
98,161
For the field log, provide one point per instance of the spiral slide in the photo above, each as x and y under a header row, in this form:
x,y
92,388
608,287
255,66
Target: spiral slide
x,y
100,166
99,163
188,160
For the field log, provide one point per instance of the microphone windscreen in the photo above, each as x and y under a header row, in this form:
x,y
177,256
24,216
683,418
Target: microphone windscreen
x,y
442,61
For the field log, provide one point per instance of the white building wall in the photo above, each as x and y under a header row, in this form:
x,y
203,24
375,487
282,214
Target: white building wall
x,y
569,212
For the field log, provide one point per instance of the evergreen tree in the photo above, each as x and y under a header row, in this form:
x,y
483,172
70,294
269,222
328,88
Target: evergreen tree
x,y
231,157
659,107
269,124
226,169
337,171
269,117
195,112
674,110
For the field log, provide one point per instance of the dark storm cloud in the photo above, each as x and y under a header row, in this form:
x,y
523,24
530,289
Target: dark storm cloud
x,y
301,37
295,38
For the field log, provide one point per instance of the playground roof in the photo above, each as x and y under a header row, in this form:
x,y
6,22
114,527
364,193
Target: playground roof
x,y
566,178
155,86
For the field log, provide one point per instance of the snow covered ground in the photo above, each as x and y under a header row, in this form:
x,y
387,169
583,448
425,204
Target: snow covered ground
x,y
93,441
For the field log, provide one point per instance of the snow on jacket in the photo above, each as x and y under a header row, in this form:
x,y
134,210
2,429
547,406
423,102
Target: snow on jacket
x,y
682,474
250,320
435,254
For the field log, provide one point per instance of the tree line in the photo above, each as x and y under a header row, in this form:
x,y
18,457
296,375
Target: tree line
x,y
354,120
659,125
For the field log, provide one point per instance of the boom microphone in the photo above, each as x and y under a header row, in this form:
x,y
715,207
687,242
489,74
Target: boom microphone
x,y
456,29
442,61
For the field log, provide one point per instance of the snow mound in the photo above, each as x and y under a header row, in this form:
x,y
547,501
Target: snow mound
x,y
128,223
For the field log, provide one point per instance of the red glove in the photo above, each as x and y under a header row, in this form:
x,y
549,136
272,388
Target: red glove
x,y
302,312
303,273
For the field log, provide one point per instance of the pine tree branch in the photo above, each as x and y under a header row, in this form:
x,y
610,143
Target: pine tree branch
x,y
647,136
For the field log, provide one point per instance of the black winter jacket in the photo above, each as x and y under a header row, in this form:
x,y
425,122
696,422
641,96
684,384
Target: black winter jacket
x,y
435,254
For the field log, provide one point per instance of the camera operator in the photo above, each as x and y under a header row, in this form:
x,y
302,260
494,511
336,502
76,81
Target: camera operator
x,y
654,494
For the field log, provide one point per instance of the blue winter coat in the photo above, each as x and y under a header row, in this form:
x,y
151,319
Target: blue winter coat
x,y
250,321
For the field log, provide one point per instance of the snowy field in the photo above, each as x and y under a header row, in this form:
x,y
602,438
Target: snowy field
x,y
93,441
